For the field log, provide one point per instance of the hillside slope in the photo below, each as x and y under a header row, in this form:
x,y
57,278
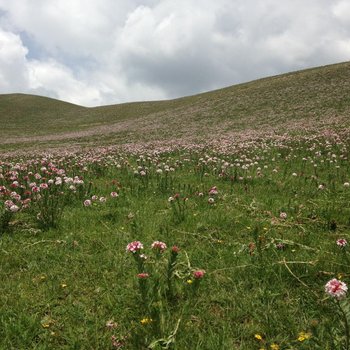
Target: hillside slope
x,y
318,95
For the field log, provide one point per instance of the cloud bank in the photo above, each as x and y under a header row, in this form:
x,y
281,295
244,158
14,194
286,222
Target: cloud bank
x,y
106,51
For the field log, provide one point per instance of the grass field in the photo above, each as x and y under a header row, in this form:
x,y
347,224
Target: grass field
x,y
241,224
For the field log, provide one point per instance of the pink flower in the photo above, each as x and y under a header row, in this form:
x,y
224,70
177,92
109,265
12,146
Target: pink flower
x,y
114,194
161,246
198,274
8,204
143,275
175,249
134,246
283,215
342,242
213,191
336,289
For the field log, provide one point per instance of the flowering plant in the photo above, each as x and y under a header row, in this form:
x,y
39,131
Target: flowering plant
x,y
160,278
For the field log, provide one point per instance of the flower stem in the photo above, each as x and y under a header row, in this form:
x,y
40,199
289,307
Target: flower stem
x,y
346,324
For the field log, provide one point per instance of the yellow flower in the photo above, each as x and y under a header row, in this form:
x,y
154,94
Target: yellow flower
x,y
189,281
146,321
274,347
258,336
303,336
47,322
63,285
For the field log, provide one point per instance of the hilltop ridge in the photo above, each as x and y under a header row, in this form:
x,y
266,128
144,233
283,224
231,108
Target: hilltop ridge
x,y
316,94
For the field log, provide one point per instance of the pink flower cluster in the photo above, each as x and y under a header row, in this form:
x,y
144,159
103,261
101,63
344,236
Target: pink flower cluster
x,y
134,246
336,289
158,245
342,242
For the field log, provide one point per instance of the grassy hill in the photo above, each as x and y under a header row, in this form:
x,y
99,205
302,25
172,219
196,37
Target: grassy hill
x,y
313,95
241,243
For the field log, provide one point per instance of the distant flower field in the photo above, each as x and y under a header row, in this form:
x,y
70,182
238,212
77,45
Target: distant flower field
x,y
232,243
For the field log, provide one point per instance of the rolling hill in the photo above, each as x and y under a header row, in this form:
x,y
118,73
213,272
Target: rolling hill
x,y
317,97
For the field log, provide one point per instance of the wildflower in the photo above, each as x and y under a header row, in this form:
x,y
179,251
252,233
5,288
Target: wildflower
x,y
47,322
346,184
175,249
198,274
143,275
114,194
303,336
336,289
283,215
117,343
342,242
161,246
111,324
258,336
211,200
280,246
63,285
251,247
171,199
87,203
14,184
135,246
213,191
16,196
102,199
189,281
146,321
14,208
35,189
274,346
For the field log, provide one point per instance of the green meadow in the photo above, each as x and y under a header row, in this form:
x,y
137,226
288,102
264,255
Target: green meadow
x,y
209,222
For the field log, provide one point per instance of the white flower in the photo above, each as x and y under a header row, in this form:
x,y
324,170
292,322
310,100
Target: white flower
x,y
87,203
14,208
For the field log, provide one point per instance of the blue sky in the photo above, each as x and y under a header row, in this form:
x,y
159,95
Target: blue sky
x,y
97,52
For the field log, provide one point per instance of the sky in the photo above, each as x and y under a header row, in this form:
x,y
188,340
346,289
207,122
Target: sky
x,y
99,52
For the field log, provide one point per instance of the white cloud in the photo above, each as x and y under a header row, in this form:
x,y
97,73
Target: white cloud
x,y
107,51
13,70
58,80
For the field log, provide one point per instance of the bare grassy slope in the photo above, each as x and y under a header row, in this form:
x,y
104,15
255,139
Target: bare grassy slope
x,y
314,95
